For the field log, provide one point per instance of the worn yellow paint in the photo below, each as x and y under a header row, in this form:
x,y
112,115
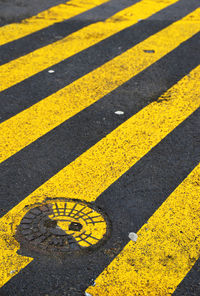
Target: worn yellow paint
x,y
97,229
46,18
96,169
49,55
166,249
27,126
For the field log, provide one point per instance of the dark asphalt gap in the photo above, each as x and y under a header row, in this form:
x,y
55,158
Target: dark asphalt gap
x,y
191,284
129,203
22,173
43,84
15,10
27,44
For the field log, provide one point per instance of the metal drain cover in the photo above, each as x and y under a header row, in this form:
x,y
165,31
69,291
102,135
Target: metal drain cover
x,y
63,225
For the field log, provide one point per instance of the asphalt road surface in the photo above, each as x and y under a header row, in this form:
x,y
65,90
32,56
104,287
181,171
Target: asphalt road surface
x,y
100,147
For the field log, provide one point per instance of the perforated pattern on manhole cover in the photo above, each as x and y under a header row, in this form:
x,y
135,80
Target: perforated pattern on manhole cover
x,y
63,225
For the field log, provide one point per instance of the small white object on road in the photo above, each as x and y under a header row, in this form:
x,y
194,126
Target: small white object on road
x,y
12,271
87,294
51,71
119,112
133,236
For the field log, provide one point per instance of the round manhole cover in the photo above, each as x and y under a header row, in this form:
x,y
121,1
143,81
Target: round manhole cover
x,y
63,225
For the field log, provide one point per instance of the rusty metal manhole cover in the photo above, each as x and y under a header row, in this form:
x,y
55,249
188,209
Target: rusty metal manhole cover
x,y
63,225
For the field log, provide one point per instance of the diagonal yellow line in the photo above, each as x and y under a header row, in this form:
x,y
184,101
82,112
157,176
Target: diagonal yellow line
x,y
96,169
27,126
46,18
56,52
166,249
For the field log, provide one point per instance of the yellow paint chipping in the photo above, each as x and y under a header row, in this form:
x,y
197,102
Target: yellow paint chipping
x,y
46,18
56,52
166,249
96,169
27,126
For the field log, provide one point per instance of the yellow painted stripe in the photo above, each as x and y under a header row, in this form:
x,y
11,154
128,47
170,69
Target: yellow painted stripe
x,y
166,249
27,126
96,169
46,18
49,55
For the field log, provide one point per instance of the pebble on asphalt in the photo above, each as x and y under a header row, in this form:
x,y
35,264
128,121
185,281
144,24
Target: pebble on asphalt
x,y
133,236
119,112
87,294
12,271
